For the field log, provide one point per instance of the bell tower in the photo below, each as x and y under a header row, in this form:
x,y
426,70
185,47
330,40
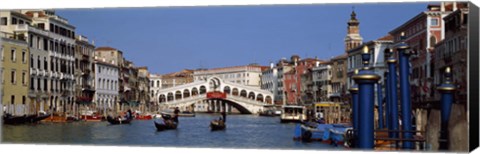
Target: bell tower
x,y
353,38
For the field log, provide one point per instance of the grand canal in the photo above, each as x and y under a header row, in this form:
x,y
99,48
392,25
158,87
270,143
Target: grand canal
x,y
243,131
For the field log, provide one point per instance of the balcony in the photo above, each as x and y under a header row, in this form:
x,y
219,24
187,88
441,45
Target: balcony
x,y
65,93
42,73
33,71
85,58
86,72
25,28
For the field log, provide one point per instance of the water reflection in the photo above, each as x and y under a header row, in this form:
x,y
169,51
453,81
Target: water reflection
x,y
243,131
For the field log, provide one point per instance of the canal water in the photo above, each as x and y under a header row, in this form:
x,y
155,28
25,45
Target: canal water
x,y
243,131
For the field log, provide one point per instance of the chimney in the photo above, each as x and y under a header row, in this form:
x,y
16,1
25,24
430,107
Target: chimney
x,y
317,63
271,65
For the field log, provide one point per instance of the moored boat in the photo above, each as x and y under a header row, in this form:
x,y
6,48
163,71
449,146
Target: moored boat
x,y
91,117
116,121
143,117
14,120
40,118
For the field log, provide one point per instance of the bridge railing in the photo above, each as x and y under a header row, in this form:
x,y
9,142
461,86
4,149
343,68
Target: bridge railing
x,y
184,100
245,100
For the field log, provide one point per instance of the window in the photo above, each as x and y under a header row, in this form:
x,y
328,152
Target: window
x,y
31,61
24,56
14,21
45,63
38,84
434,22
12,99
12,77
32,82
45,84
24,99
38,62
2,51
23,78
13,57
1,72
3,21
45,44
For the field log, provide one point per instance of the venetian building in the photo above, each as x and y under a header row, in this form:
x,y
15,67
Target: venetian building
x,y
144,89
155,86
84,74
14,76
106,86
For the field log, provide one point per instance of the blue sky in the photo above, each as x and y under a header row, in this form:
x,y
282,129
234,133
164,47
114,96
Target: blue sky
x,y
169,39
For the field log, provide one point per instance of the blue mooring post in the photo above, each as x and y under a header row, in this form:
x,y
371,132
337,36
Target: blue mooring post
x,y
405,99
354,92
392,81
380,107
366,80
446,89
387,104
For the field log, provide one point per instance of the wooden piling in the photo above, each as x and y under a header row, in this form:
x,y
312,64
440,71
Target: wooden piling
x,y
458,128
433,131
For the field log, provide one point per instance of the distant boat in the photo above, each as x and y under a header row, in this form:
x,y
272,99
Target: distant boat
x,y
165,125
181,114
217,125
292,113
267,113
116,121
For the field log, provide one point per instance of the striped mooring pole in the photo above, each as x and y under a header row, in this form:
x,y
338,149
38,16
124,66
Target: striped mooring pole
x,y
366,80
447,90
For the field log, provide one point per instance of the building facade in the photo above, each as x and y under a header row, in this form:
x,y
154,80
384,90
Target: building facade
x,y
51,44
322,79
15,74
269,79
106,98
176,78
144,89
155,86
421,33
339,78
84,74
452,52
249,75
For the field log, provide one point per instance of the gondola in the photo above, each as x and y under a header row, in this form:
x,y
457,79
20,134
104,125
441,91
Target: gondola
x,y
14,120
166,125
116,121
39,118
217,125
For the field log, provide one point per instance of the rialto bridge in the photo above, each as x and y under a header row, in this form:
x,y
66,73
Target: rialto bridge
x,y
211,96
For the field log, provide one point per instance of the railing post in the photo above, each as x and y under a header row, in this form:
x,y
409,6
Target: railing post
x,y
404,53
355,115
366,80
446,89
